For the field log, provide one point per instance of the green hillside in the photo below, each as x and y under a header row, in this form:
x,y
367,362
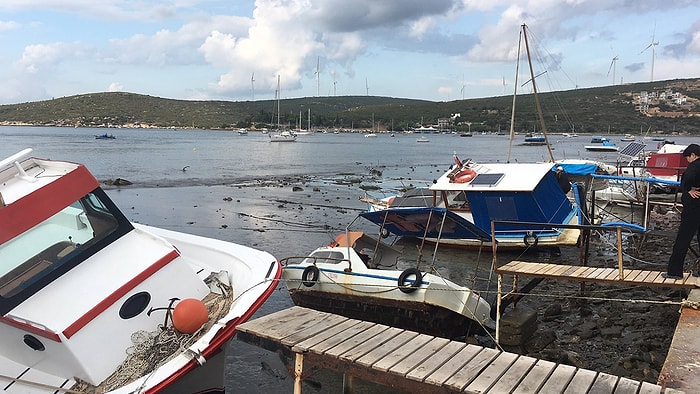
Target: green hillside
x,y
673,107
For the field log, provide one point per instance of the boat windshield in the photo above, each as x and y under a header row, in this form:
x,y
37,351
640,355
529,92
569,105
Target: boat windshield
x,y
325,257
44,252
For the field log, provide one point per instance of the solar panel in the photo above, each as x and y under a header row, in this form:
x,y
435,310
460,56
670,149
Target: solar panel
x,y
632,149
486,179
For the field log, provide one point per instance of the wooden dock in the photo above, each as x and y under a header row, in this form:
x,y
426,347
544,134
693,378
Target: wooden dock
x,y
416,362
616,275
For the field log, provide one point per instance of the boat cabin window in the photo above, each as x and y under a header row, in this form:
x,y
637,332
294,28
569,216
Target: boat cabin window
x,y
325,257
38,252
457,199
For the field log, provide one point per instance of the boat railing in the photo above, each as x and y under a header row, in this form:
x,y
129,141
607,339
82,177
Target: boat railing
x,y
315,260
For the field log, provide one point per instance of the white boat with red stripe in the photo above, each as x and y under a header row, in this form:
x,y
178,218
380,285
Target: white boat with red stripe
x,y
90,302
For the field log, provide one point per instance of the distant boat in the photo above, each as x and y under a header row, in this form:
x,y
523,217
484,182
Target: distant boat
x,y
370,135
281,136
242,131
105,137
422,139
596,139
627,137
606,146
535,139
465,134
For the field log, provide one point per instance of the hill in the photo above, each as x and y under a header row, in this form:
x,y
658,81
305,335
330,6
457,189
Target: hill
x,y
664,106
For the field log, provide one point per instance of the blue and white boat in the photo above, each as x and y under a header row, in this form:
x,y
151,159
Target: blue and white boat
x,y
471,195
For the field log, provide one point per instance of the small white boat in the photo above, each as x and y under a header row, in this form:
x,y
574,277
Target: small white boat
x,y
283,136
606,146
242,131
422,139
86,296
357,276
370,135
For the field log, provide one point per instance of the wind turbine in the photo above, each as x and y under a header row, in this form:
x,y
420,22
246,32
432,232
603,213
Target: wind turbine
x,y
652,45
612,67
318,77
252,84
366,87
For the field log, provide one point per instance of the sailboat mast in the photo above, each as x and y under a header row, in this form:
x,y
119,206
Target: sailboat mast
x,y
278,102
534,91
515,93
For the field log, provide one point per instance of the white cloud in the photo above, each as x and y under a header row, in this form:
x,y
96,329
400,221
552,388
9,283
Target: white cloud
x,y
115,87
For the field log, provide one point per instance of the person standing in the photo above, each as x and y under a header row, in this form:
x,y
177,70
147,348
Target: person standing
x,y
563,179
690,216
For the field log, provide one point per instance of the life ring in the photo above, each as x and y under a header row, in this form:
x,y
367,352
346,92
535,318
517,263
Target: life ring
x,y
310,276
465,176
530,239
404,286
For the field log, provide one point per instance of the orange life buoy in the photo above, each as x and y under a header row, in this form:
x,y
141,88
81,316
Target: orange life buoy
x,y
465,176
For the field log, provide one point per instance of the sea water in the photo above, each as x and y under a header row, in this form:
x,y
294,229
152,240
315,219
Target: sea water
x,y
239,188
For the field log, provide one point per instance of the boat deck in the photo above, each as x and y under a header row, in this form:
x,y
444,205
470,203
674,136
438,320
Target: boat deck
x,y
416,362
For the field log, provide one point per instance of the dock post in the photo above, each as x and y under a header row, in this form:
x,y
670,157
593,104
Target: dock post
x,y
498,307
619,252
348,384
298,367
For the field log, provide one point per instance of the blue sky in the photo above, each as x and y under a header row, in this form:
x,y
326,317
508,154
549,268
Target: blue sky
x,y
439,50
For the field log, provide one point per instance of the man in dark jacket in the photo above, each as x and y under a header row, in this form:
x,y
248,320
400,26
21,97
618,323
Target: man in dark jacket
x,y
690,216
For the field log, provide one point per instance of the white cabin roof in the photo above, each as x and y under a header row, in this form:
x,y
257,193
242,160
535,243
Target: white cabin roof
x,y
516,177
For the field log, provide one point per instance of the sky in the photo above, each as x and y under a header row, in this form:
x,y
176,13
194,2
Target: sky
x,y
437,50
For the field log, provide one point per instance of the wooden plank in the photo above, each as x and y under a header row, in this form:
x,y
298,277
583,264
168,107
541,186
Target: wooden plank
x,y
579,271
400,353
604,383
492,373
371,344
402,339
632,275
593,274
321,325
435,361
414,359
535,378
349,344
626,386
278,326
571,270
514,375
453,365
471,370
558,379
581,382
614,275
649,388
307,344
337,340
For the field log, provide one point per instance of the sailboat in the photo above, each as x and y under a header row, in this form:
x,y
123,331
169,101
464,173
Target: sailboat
x,y
281,135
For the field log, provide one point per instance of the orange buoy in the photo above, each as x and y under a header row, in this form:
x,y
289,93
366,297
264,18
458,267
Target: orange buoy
x,y
190,315
465,176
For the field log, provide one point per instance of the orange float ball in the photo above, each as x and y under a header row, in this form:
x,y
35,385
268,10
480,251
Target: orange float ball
x,y
189,315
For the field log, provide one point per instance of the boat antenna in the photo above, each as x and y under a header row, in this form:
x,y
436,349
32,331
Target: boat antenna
x,y
515,93
534,91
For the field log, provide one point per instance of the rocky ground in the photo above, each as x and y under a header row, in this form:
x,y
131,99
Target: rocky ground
x,y
620,330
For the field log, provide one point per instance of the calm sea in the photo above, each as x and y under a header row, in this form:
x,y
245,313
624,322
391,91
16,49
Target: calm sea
x,y
237,188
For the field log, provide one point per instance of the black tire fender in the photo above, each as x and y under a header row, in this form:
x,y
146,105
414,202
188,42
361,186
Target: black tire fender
x,y
530,239
404,286
310,276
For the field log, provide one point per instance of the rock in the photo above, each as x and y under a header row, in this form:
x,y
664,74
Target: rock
x,y
297,189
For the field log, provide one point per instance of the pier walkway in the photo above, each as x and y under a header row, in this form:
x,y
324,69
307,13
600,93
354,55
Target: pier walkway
x,y
416,362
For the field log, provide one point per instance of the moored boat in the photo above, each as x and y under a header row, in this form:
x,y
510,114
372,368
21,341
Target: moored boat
x,y
87,296
472,195
358,277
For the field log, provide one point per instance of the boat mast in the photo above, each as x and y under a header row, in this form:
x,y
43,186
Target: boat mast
x,y
515,93
534,91
278,102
